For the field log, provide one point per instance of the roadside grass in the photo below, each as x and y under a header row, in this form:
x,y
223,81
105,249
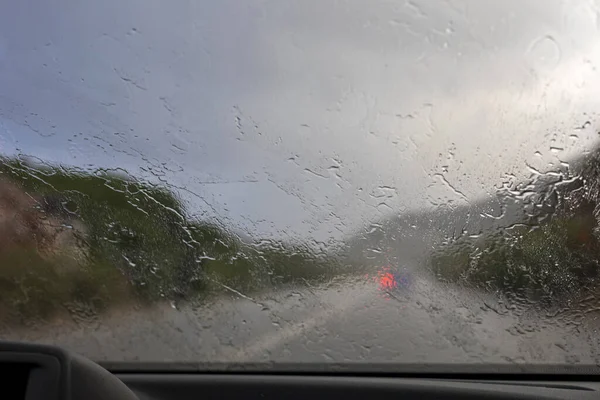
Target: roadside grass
x,y
132,241
548,263
554,259
33,286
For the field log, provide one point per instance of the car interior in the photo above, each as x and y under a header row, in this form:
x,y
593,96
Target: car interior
x,y
33,371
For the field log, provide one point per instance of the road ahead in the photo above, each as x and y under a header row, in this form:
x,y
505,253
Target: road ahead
x,y
348,322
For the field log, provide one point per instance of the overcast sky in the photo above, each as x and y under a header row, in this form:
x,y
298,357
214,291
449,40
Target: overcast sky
x,y
302,118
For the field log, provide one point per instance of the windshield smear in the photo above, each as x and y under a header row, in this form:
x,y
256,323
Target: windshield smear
x,y
302,182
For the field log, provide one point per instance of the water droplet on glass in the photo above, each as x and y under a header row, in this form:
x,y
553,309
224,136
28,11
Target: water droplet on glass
x,y
543,54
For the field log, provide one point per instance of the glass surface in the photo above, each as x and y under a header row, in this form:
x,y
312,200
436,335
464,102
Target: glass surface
x,y
302,181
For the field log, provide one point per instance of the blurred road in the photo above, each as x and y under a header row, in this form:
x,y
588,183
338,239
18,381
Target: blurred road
x,y
349,322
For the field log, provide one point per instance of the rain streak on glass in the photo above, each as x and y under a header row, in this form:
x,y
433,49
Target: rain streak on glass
x,y
306,182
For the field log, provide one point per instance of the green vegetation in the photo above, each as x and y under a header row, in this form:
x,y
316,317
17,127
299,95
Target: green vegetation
x,y
548,262
100,239
552,257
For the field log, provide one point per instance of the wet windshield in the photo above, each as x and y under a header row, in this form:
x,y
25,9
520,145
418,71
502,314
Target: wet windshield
x,y
302,181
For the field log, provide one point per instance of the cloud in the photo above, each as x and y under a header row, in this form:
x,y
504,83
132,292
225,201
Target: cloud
x,y
318,104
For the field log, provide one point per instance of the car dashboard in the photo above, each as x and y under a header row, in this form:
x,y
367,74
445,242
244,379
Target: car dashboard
x,y
36,372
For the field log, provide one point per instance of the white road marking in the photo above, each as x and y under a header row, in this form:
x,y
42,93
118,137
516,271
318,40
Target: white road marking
x,y
274,339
